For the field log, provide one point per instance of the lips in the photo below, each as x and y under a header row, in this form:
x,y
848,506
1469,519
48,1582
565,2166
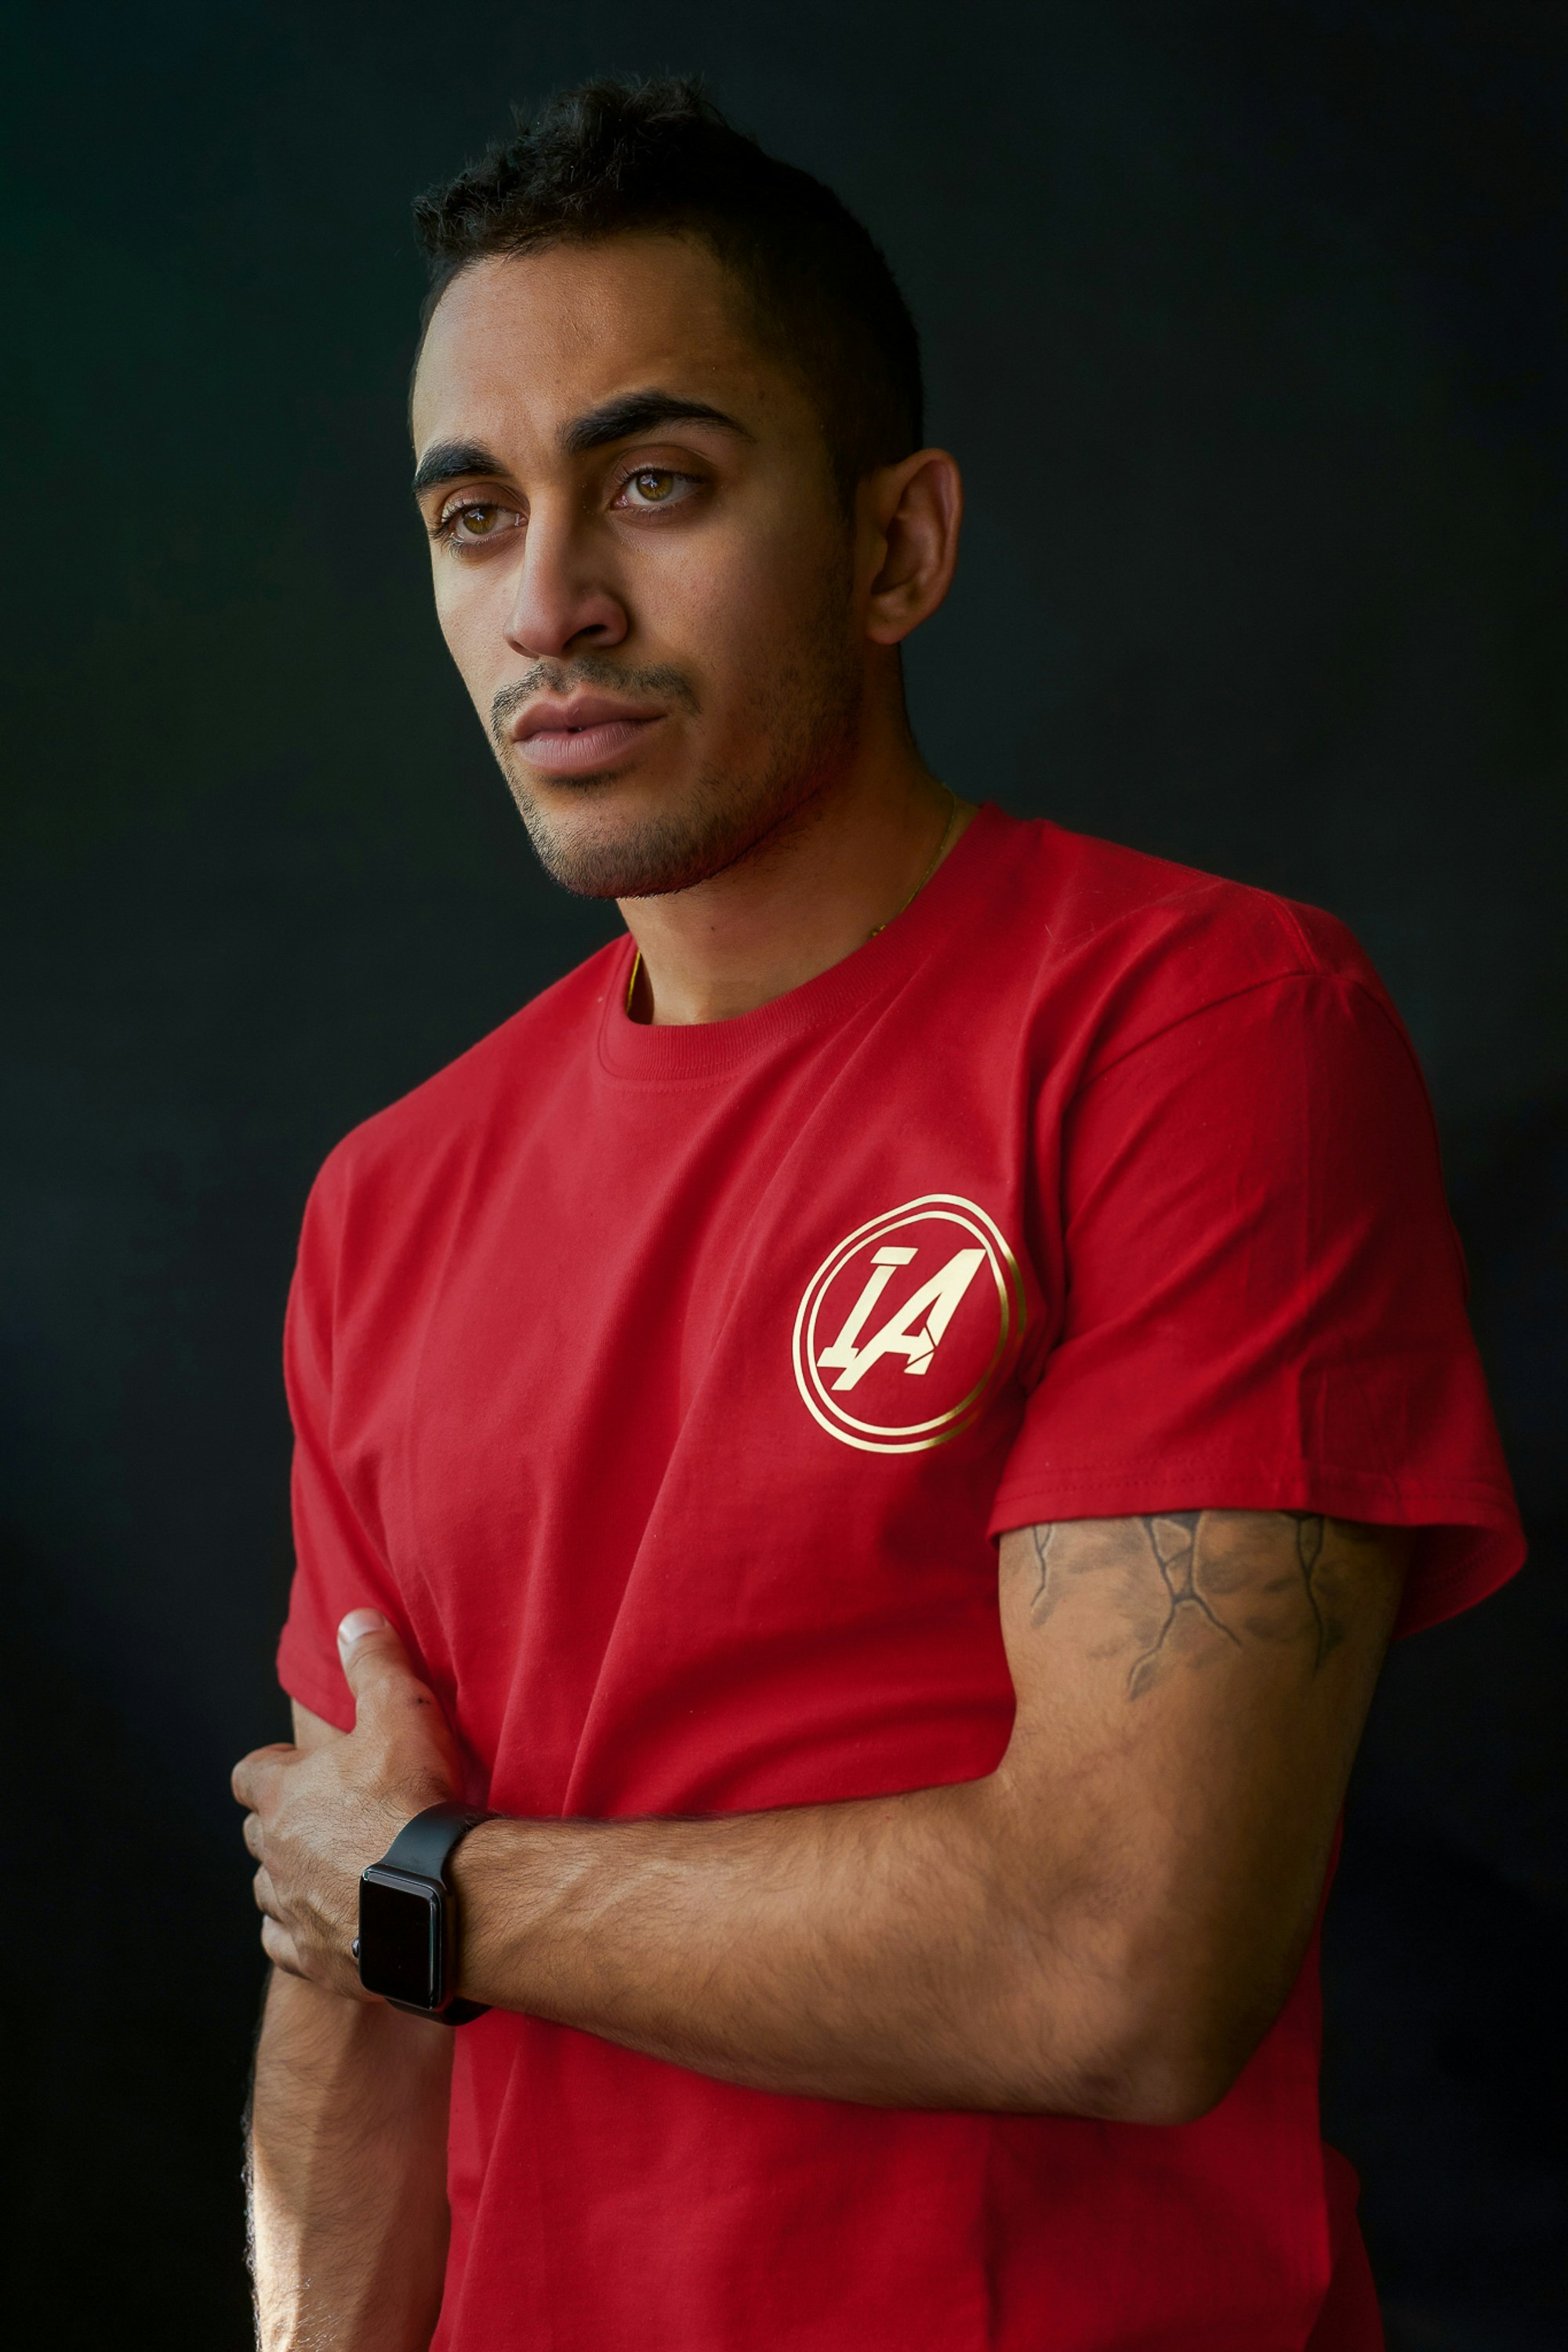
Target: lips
x,y
581,733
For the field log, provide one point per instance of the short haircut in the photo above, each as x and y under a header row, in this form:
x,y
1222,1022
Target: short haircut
x,y
609,157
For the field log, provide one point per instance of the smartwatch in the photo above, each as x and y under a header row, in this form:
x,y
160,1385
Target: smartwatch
x,y
407,1940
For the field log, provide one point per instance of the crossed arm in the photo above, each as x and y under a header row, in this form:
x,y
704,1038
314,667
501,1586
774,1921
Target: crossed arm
x,y
1105,1926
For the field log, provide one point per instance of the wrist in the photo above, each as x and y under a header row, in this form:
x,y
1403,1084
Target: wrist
x,y
488,1877
407,1948
513,1881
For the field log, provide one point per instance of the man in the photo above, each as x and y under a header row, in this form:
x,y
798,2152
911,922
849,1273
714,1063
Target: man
x,y
880,1429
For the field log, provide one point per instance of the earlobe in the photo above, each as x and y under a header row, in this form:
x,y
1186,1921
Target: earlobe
x,y
915,509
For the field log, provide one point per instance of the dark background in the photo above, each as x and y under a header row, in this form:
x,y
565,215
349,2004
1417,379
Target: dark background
x,y
1246,324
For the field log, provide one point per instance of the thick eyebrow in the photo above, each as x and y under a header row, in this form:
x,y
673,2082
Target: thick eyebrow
x,y
641,412
616,420
449,461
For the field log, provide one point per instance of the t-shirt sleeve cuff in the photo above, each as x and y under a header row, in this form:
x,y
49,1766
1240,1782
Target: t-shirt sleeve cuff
x,y
1470,1544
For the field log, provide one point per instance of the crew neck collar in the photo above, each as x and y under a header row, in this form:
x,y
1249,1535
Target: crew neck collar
x,y
711,1049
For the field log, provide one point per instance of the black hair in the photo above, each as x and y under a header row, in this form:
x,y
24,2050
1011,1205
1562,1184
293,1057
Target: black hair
x,y
611,156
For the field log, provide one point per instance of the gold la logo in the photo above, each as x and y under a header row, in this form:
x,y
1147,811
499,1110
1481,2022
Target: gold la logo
x,y
930,1284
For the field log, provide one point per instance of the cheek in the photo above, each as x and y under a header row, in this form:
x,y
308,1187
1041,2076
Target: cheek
x,y
458,609
738,610
471,608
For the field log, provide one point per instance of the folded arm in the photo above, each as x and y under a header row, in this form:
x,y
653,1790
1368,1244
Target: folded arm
x,y
1105,1926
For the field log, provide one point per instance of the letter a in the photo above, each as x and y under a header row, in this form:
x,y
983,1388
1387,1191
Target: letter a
x,y
936,1302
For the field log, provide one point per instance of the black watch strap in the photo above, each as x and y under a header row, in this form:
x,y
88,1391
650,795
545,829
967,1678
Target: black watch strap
x,y
423,1844
422,1847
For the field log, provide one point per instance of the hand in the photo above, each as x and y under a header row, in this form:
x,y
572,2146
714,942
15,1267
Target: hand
x,y
315,1820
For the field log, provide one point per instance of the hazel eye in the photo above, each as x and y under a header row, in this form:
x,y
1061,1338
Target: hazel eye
x,y
469,523
651,486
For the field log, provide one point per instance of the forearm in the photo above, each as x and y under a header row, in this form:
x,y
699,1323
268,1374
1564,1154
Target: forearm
x,y
1105,1926
347,2172
870,1951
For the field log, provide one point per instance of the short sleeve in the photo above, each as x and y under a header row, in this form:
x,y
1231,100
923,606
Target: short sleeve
x,y
1265,1299
338,1565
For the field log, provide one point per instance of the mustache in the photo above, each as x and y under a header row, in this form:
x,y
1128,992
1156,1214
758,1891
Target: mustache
x,y
649,682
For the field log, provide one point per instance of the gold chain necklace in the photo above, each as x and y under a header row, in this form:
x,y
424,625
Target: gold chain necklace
x,y
940,853
876,929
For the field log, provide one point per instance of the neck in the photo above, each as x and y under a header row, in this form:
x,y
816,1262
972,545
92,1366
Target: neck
x,y
809,895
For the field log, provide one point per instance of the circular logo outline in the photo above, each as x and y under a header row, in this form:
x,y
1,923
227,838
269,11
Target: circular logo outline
x,y
913,1437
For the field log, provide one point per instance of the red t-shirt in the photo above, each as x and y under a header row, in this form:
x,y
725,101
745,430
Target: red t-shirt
x,y
667,1387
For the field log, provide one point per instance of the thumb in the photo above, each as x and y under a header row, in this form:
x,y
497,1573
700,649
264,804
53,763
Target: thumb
x,y
371,1650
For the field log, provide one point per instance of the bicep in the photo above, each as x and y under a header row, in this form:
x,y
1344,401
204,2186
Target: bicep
x,y
1191,1688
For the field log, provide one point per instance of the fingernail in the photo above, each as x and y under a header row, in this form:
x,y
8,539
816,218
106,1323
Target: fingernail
x,y
358,1622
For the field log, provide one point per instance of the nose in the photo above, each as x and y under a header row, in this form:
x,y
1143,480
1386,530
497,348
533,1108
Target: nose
x,y
561,605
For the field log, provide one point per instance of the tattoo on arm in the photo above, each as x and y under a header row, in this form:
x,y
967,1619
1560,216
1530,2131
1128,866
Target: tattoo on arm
x,y
1309,1552
1193,1585
1040,1607
1173,1541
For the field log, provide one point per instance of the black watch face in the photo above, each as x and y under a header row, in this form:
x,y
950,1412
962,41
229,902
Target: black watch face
x,y
400,1938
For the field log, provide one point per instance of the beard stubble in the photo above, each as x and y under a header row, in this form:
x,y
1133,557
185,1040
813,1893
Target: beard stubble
x,y
801,721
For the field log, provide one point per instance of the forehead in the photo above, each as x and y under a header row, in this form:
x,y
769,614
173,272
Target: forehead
x,y
520,345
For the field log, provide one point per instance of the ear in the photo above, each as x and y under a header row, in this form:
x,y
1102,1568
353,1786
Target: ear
x,y
909,516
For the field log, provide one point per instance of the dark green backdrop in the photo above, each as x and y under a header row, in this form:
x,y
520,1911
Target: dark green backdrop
x,y
1245,323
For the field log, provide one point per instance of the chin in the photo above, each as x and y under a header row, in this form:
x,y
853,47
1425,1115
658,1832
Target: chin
x,y
594,845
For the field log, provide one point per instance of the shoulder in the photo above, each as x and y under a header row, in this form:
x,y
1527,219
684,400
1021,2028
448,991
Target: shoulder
x,y
1137,943
427,1138
1121,905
